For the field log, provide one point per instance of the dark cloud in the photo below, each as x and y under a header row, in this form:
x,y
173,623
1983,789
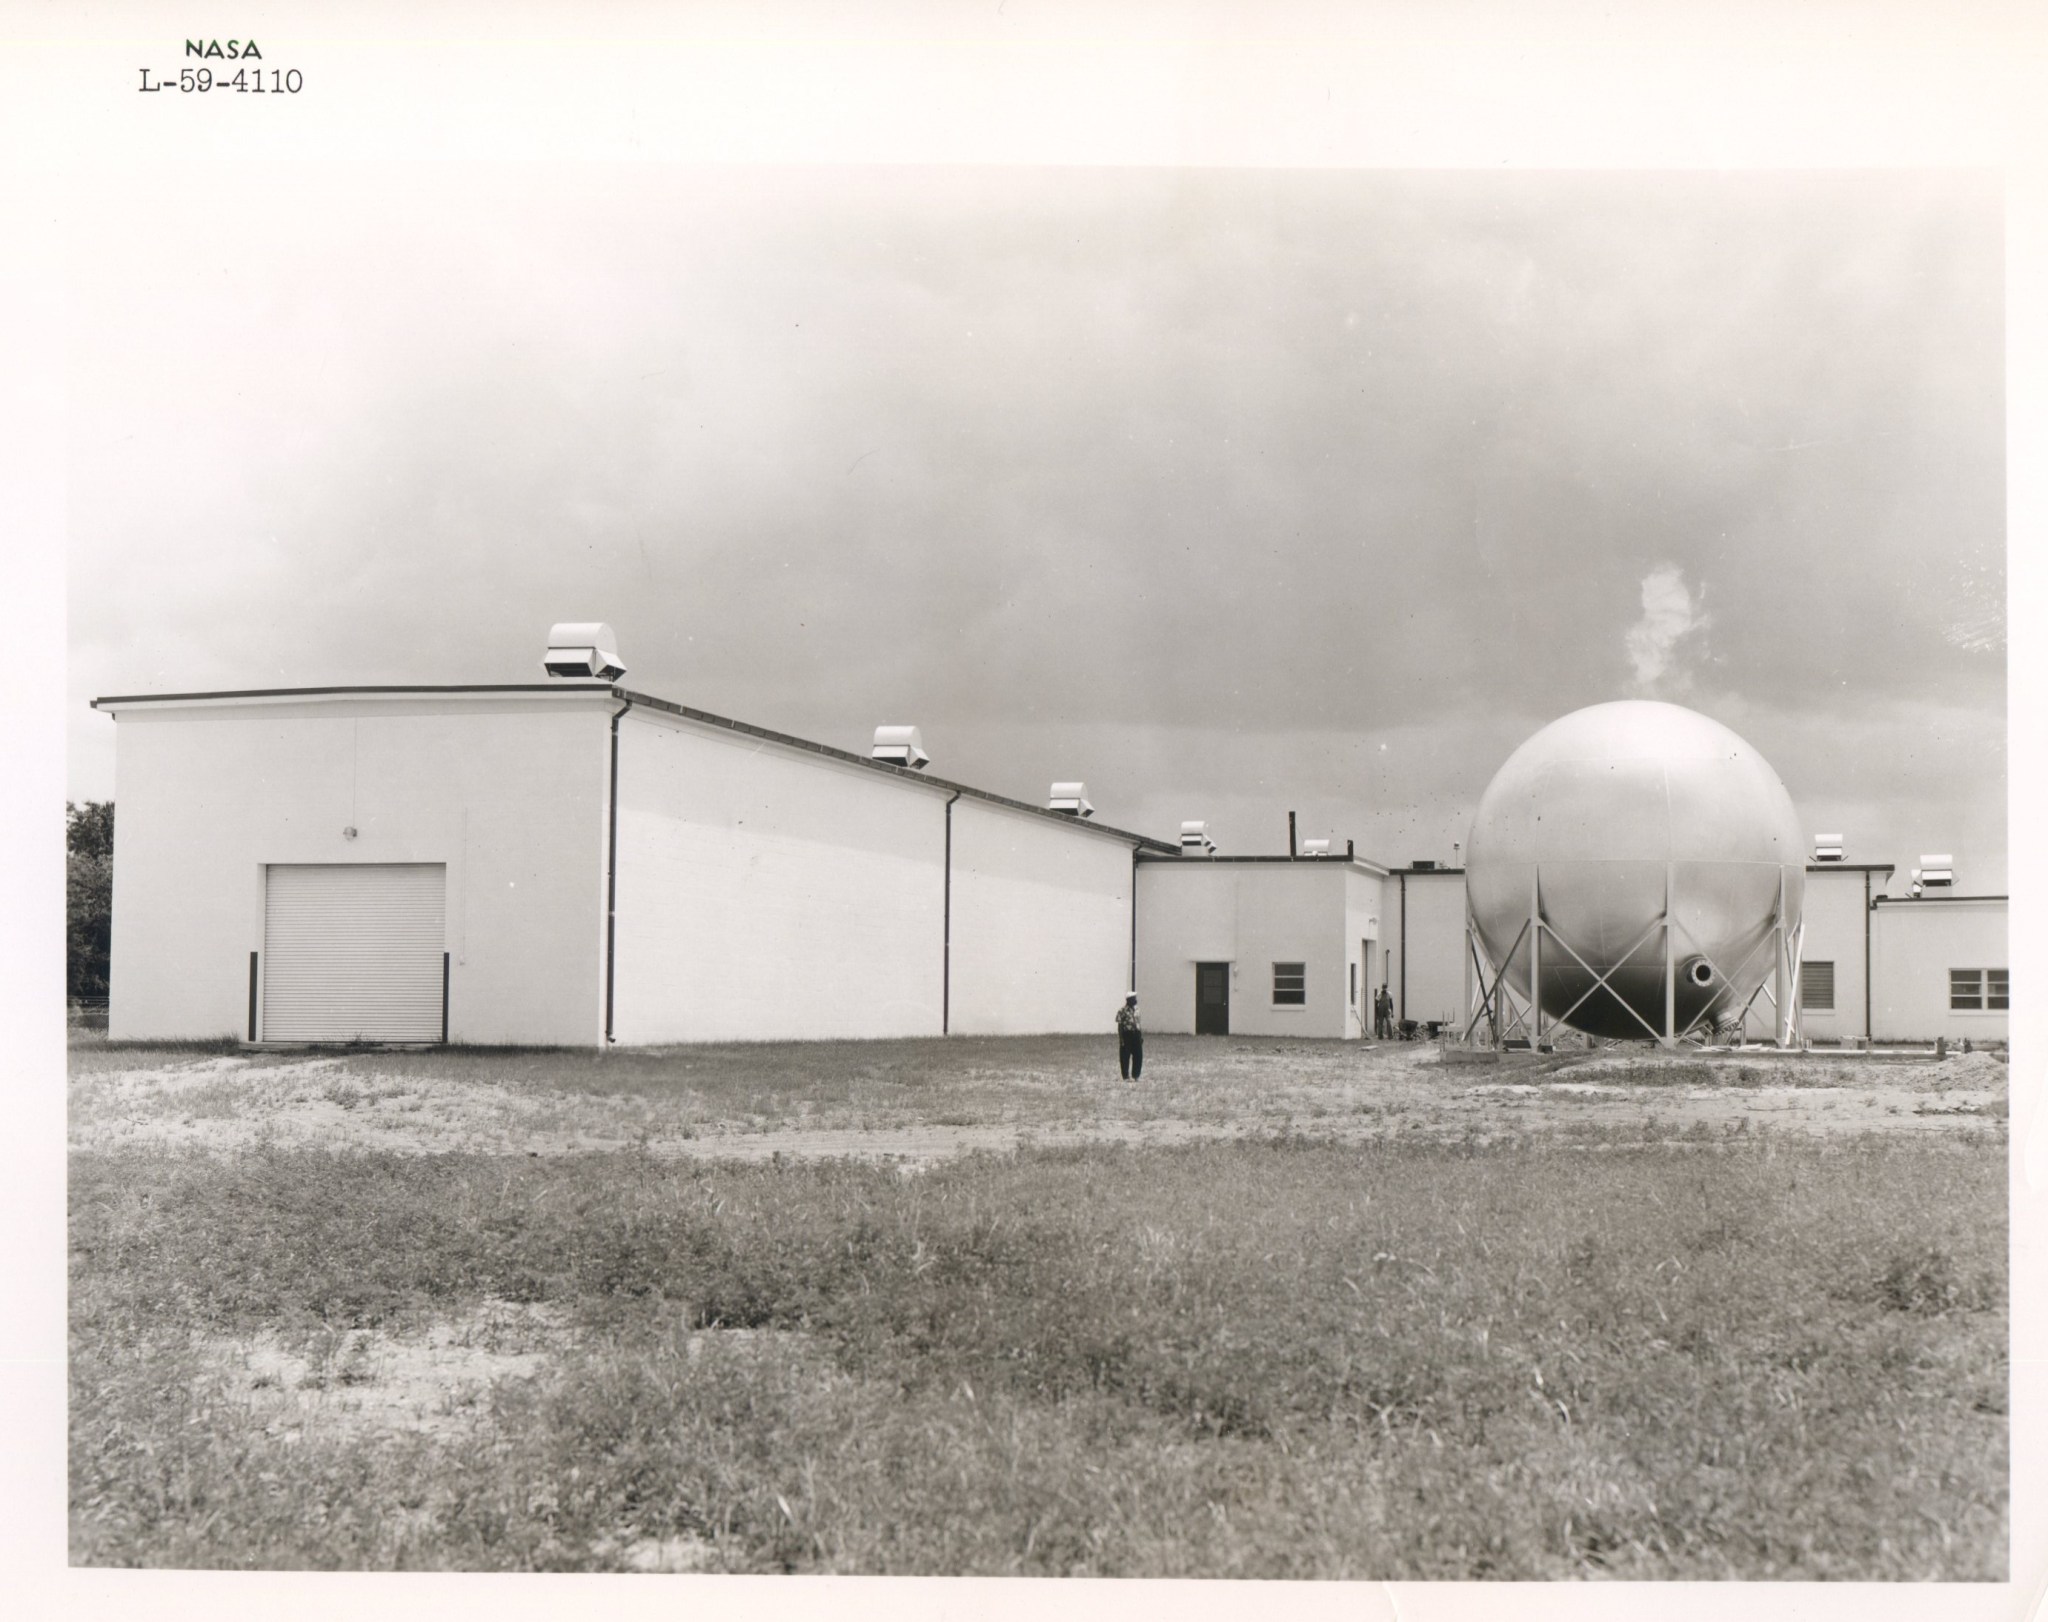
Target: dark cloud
x,y
1165,464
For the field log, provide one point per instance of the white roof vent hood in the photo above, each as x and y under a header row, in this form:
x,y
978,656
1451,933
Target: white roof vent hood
x,y
1195,840
1071,798
901,746
583,648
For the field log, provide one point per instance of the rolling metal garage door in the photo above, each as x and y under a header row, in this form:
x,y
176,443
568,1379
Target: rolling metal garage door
x,y
353,952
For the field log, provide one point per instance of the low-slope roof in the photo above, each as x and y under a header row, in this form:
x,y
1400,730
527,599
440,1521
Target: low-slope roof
x,y
116,702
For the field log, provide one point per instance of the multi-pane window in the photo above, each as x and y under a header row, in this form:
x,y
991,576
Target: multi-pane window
x,y
1290,984
1817,985
1980,990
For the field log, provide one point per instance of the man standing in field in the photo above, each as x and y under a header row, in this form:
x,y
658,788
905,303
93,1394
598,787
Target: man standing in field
x,y
1130,1040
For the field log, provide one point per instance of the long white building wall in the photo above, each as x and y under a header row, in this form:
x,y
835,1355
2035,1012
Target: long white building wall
x,y
1913,946
1835,919
1430,946
1364,907
1041,924
766,892
507,793
1187,914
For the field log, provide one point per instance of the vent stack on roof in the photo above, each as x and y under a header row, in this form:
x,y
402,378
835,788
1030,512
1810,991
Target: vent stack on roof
x,y
901,746
583,648
1937,872
1195,840
1071,798
1827,847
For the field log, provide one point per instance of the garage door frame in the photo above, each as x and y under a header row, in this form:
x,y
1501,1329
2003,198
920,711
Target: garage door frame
x,y
429,1032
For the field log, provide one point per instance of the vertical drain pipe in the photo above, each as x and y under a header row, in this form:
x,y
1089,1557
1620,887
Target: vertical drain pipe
x,y
1403,1015
611,870
1133,986
1869,1036
946,958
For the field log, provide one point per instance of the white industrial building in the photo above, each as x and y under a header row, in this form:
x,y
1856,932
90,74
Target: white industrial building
x,y
1258,945
1424,968
573,862
1874,966
1939,968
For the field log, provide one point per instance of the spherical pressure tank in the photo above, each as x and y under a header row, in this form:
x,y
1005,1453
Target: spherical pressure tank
x,y
1606,812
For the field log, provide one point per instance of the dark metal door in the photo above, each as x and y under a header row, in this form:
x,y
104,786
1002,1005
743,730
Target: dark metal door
x,y
1212,999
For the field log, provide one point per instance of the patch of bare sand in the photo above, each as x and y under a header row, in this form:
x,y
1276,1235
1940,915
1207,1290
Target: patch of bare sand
x,y
1826,1112
669,1554
435,1381
1811,1068
226,1104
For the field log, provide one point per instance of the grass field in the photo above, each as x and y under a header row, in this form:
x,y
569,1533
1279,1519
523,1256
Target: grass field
x,y
1282,1310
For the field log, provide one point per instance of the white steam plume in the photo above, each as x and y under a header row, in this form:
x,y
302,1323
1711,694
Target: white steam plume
x,y
1671,613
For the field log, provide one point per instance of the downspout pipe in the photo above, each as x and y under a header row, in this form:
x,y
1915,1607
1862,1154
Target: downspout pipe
x,y
1133,986
1869,909
946,955
1403,1015
611,871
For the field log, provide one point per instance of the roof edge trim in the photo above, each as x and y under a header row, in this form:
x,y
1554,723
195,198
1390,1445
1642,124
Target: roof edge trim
x,y
888,768
343,692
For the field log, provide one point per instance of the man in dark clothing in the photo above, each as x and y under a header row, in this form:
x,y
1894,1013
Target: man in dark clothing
x,y
1384,1003
1130,1040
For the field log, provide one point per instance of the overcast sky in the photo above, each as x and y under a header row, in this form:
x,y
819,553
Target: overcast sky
x,y
1229,492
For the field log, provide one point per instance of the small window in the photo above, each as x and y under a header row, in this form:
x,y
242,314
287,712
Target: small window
x,y
1966,990
1998,989
1290,984
1354,985
1817,985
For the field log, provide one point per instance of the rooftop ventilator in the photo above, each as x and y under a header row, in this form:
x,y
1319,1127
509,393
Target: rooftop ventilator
x,y
901,746
583,648
1072,798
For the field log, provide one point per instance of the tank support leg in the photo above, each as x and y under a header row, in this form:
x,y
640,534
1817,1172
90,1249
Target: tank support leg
x,y
1601,981
1471,1007
1789,947
1491,1000
1670,1037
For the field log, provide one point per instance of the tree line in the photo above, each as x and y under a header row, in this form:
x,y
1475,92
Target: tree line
x,y
89,896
